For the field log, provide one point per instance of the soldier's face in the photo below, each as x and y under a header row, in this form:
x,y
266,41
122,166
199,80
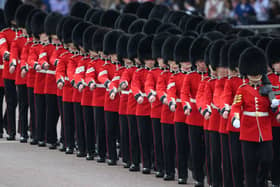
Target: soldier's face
x,y
44,37
93,53
222,72
127,62
254,78
24,31
114,57
173,66
201,65
161,63
150,63
276,67
55,39
186,66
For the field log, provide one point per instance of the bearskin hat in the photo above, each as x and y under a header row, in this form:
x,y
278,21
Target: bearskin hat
x,y
208,26
122,47
263,42
182,49
207,54
253,61
68,26
37,23
145,9
164,26
272,51
197,49
89,13
77,33
131,7
151,26
245,33
234,51
191,34
213,35
22,13
158,12
96,17
183,21
174,30
136,26
98,38
110,42
108,18
192,23
168,47
224,54
125,21
87,36
2,20
144,48
10,10
199,26
28,20
223,27
60,27
51,23
167,15
157,44
176,17
132,45
79,9
214,54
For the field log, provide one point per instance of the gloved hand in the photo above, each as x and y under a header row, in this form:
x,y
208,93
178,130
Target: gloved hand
x,y
6,56
236,123
274,103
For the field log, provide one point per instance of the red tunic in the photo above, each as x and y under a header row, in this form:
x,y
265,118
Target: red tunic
x,y
33,55
274,79
77,96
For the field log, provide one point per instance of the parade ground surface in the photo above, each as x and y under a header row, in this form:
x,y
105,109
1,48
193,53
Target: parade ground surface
x,y
32,166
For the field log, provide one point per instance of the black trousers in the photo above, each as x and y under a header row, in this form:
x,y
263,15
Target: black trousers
x,y
207,157
182,149
169,148
124,137
23,110
112,123
2,118
158,152
11,98
226,164
69,124
196,137
31,103
275,174
215,152
257,161
134,140
60,109
236,159
146,140
40,105
89,129
100,130
80,130
52,115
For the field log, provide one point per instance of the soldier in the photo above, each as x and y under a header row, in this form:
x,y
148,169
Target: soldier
x,y
16,53
255,123
6,37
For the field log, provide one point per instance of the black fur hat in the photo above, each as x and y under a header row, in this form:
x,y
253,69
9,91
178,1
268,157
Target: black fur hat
x,y
158,12
157,44
10,10
263,43
191,34
2,20
168,48
131,7
192,23
213,35
96,17
132,45
176,17
122,47
145,9
144,48
182,49
98,38
174,30
37,23
77,33
28,20
254,39
68,26
22,14
183,21
245,33
223,27
167,15
234,51
79,9
125,21
108,18
164,26
215,51
272,51
136,26
224,62
207,54
110,42
60,27
198,48
89,13
151,26
51,23
253,61
208,26
87,36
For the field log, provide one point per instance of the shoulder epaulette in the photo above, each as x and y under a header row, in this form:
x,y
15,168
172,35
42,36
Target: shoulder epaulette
x,y
5,29
139,69
242,85
164,71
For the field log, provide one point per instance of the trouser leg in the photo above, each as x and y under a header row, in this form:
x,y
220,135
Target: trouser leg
x,y
23,110
1,109
226,166
207,157
40,104
79,121
169,148
60,109
52,115
100,129
275,174
69,126
124,137
89,129
134,140
158,152
215,159
31,102
112,121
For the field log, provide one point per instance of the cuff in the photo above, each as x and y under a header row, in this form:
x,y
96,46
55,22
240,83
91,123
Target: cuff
x,y
137,96
162,98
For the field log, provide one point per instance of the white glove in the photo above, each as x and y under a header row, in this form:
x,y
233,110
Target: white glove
x,y
236,123
274,103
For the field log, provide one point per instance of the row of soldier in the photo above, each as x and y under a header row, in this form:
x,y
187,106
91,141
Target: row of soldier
x,y
162,83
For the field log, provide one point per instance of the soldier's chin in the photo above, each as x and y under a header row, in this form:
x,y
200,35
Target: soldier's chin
x,y
255,78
